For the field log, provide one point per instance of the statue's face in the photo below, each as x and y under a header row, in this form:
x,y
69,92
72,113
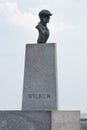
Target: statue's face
x,y
46,19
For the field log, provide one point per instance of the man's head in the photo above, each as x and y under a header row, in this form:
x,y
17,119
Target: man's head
x,y
44,16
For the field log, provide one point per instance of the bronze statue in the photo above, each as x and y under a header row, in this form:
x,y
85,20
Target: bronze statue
x,y
44,16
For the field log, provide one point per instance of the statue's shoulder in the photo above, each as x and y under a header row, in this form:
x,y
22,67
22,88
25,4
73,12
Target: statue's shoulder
x,y
40,26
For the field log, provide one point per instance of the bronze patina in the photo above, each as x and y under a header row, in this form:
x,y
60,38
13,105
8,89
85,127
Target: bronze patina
x,y
44,16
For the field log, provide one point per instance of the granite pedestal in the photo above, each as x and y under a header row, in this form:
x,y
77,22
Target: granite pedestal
x,y
40,90
40,95
40,120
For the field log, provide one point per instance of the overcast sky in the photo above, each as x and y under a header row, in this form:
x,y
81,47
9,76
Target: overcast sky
x,y
68,29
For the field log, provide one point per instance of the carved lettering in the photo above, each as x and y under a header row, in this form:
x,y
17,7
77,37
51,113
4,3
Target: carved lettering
x,y
39,96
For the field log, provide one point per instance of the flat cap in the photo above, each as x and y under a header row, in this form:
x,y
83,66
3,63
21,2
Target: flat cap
x,y
44,13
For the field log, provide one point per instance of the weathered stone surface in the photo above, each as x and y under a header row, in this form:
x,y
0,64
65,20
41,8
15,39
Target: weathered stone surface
x,y
39,92
65,120
21,120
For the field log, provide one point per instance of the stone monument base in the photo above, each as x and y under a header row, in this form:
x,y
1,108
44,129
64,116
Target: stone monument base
x,y
39,120
65,120
25,120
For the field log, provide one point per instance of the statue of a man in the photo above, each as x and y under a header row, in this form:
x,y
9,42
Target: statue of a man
x,y
44,16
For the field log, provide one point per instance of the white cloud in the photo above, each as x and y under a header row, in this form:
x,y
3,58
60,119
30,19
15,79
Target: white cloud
x,y
15,17
28,20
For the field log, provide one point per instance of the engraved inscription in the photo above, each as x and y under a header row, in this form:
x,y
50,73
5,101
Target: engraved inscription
x,y
39,96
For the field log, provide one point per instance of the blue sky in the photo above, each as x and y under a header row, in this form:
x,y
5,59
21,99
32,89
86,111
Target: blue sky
x,y
68,28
